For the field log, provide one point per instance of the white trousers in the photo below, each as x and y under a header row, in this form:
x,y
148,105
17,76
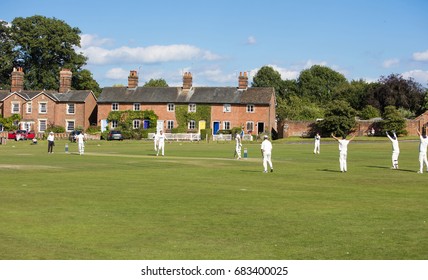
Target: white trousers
x,y
81,147
317,147
395,159
422,160
238,151
267,160
342,161
161,146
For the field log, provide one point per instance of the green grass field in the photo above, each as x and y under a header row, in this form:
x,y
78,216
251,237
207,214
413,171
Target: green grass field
x,y
119,201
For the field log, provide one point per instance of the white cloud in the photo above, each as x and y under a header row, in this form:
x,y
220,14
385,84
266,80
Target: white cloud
x,y
286,74
94,48
117,74
391,62
216,75
251,40
421,56
419,76
89,40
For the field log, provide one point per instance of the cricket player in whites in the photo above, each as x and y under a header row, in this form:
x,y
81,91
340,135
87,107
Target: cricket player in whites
x,y
422,151
161,143
266,149
343,151
238,146
317,143
395,149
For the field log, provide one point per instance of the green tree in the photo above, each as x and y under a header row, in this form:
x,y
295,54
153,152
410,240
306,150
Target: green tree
x,y
396,91
269,77
295,108
156,83
339,119
83,80
42,47
6,55
319,83
393,121
369,112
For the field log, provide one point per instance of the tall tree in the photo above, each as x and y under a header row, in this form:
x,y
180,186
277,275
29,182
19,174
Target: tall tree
x,y
7,54
396,91
83,80
156,83
269,77
319,83
339,119
43,46
393,121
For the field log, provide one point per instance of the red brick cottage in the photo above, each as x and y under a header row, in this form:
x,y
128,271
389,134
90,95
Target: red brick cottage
x,y
242,106
39,109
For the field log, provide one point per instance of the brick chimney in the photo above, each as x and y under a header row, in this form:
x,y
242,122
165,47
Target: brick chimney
x,y
17,79
243,81
65,80
133,79
187,80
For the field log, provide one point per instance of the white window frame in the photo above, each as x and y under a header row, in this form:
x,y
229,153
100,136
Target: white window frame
x,y
113,124
71,109
250,126
169,124
43,125
192,108
170,107
29,107
15,107
136,124
43,105
226,125
115,106
191,125
250,108
227,108
67,127
137,106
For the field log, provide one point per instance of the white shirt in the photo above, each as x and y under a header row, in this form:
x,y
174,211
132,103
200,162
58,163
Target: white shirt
x,y
80,138
266,146
395,147
51,137
161,138
317,138
238,140
343,145
423,144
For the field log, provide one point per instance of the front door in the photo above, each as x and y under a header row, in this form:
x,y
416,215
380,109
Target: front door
x,y
216,127
260,127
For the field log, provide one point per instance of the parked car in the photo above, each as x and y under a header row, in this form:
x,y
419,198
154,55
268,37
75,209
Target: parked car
x,y
73,134
115,135
21,134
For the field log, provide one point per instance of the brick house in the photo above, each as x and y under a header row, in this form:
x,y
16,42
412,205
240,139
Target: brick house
x,y
40,109
242,106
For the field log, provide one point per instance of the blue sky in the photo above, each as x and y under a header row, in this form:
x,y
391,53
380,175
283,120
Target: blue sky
x,y
215,40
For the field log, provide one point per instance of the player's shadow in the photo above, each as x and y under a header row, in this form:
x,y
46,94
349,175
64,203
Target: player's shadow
x,y
384,167
329,170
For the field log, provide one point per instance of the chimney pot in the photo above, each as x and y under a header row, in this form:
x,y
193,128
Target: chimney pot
x,y
243,81
133,79
65,76
187,80
17,79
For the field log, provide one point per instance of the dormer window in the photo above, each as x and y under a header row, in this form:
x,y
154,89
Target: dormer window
x,y
192,108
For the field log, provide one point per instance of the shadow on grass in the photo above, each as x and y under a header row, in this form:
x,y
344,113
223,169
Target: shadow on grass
x,y
398,170
329,170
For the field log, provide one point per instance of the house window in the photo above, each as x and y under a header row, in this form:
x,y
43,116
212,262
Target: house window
x,y
29,107
42,125
43,107
192,108
191,125
250,127
169,125
70,108
15,108
227,108
70,125
250,108
115,106
170,107
136,124
226,125
113,124
137,106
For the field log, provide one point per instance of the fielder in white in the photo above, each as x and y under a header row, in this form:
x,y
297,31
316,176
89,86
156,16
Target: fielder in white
x,y
266,149
422,151
156,141
80,139
238,146
395,149
161,143
317,143
343,151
